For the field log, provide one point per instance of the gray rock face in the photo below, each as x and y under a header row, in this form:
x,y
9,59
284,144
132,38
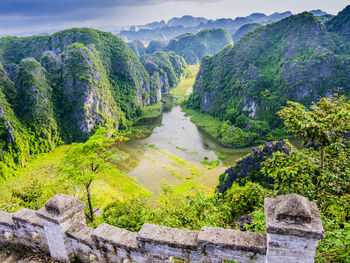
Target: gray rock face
x,y
250,105
35,104
165,70
50,61
34,89
87,89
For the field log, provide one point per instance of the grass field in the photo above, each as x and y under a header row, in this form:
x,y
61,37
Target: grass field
x,y
209,124
184,89
40,180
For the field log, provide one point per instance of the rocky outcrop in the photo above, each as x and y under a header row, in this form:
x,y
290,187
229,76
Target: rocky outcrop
x,y
13,134
340,23
87,91
165,69
155,46
138,48
249,167
122,65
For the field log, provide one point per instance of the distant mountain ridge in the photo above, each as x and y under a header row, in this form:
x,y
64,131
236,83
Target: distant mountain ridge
x,y
188,24
192,47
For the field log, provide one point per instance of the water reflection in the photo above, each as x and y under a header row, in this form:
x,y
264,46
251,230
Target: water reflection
x,y
175,150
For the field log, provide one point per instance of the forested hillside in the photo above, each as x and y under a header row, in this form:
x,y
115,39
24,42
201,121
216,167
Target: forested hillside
x,y
193,47
296,59
60,88
165,69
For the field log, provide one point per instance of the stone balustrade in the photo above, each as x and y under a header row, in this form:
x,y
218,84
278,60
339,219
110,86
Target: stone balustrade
x,y
293,228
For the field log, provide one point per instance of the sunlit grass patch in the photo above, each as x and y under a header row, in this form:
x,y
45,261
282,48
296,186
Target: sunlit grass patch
x,y
211,164
41,179
184,89
208,123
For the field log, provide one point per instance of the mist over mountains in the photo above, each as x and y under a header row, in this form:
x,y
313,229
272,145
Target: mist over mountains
x,y
164,31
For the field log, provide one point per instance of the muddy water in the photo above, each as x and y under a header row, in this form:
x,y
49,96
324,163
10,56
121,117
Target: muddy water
x,y
173,153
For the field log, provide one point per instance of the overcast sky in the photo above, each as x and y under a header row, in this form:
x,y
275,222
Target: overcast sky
x,y
18,16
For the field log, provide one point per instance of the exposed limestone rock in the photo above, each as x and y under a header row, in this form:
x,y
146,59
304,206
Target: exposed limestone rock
x,y
250,165
165,70
87,90
35,106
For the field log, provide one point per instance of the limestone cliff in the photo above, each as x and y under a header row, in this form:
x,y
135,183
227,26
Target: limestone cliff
x,y
87,92
34,105
165,69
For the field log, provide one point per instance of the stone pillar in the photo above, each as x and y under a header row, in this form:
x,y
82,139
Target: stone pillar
x,y
293,228
58,215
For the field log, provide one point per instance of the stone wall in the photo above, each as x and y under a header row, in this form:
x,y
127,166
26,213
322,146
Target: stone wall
x,y
293,227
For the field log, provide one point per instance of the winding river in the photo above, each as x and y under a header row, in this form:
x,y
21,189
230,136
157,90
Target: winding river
x,y
174,152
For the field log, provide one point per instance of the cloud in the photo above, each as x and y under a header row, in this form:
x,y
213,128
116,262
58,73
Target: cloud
x,y
42,15
17,15
64,7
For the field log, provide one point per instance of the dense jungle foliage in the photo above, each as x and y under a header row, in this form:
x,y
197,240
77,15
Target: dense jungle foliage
x,y
192,47
320,171
297,58
60,88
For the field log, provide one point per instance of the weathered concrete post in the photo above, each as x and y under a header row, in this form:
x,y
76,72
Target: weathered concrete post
x,y
293,228
58,215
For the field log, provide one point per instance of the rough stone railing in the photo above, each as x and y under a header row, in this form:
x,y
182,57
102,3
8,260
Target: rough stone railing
x,y
293,228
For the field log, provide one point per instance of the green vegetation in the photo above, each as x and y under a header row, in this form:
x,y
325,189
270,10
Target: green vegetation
x,y
86,160
192,47
292,171
320,172
42,178
152,111
193,170
165,69
210,164
208,123
295,59
138,48
184,89
191,211
244,30
154,46
89,79
94,83
322,126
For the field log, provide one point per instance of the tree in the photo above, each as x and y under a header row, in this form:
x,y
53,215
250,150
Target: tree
x,y
324,180
327,121
86,160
